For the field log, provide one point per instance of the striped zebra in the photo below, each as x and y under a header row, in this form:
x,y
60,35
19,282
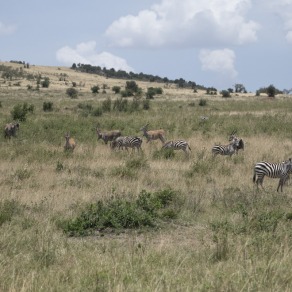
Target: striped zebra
x,y
232,137
178,145
127,142
272,170
229,149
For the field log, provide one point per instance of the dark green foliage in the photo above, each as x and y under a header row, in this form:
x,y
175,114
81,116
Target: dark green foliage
x,y
46,82
225,93
47,106
106,105
120,105
202,102
116,89
132,86
72,92
20,111
120,213
95,89
126,93
8,209
97,112
271,91
146,104
151,91
164,154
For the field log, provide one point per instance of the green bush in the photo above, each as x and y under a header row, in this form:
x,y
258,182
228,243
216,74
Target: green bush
x,y
106,105
202,102
116,89
145,211
72,92
20,111
46,82
225,93
47,106
120,105
95,89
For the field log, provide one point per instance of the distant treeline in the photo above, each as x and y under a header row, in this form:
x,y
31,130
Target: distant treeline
x,y
120,74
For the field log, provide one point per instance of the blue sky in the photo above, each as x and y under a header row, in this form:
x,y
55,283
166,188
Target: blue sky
x,y
213,43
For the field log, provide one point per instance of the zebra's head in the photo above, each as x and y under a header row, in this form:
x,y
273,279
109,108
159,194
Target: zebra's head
x,y
288,164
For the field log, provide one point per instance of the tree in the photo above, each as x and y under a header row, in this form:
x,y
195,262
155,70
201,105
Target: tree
x,y
225,93
271,91
239,88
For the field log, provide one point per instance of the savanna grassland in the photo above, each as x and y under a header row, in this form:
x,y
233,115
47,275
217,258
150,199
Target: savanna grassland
x,y
101,220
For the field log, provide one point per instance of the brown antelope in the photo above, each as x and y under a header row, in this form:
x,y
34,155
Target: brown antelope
x,y
10,130
108,136
70,143
153,134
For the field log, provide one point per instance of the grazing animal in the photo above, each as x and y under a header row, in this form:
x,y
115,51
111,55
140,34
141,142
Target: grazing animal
x,y
127,142
154,134
232,137
178,145
108,136
70,143
225,149
272,170
10,130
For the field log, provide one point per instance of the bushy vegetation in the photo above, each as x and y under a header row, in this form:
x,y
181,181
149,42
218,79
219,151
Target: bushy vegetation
x,y
120,213
20,111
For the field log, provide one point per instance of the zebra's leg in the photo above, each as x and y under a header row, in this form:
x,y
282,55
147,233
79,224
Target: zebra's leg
x,y
280,184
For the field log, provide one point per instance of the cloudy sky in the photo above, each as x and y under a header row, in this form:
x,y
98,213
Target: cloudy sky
x,y
213,43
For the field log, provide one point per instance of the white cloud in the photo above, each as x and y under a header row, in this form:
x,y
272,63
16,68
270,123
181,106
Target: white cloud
x,y
283,10
85,53
186,23
6,29
219,61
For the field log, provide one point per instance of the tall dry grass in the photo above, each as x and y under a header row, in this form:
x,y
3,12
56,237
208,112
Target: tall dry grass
x,y
227,236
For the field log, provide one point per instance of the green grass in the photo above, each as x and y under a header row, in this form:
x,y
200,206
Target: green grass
x,y
103,220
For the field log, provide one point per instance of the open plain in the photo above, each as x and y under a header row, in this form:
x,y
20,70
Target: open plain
x,y
220,232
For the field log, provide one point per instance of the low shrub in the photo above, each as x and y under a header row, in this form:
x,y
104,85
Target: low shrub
x,y
119,213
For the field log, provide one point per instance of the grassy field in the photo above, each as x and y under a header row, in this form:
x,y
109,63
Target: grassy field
x,y
201,223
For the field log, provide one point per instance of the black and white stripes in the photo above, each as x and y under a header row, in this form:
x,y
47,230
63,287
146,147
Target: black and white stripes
x,y
127,142
177,145
225,149
273,170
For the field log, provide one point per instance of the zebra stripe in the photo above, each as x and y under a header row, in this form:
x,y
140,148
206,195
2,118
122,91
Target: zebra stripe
x,y
127,142
225,149
240,142
177,145
272,170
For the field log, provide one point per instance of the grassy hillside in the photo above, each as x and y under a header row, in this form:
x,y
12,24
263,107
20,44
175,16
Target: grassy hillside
x,y
102,220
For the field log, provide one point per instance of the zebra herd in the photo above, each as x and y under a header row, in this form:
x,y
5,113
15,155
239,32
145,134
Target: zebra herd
x,y
280,170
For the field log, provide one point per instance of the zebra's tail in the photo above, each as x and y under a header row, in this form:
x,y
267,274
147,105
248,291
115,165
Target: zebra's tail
x,y
189,147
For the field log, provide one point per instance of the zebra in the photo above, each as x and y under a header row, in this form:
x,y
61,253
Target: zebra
x,y
232,137
273,170
229,149
127,141
178,145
